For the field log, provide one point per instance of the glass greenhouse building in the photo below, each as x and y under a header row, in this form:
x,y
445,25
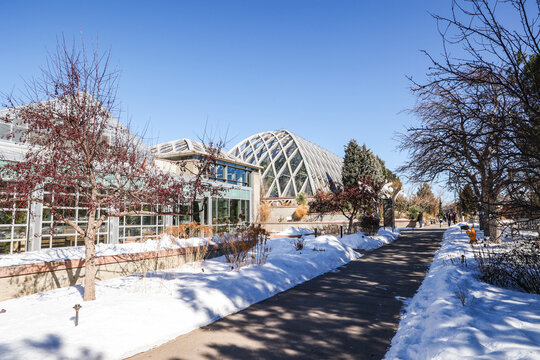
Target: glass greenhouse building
x,y
272,164
290,164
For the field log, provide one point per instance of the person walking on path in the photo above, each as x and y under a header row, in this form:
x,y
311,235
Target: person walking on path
x,y
420,218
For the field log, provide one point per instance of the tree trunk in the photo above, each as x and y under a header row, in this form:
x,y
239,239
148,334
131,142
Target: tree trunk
x,y
89,269
494,231
490,218
90,259
351,219
483,221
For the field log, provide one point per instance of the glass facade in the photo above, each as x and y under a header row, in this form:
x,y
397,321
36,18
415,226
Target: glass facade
x,y
135,228
13,227
235,207
232,173
230,211
198,213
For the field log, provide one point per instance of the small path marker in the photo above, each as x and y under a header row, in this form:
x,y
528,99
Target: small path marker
x,y
77,307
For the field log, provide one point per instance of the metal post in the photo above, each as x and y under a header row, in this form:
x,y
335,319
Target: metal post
x,y
341,231
77,307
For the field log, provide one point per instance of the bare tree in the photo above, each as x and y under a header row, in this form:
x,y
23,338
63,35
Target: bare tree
x,y
460,137
78,154
480,109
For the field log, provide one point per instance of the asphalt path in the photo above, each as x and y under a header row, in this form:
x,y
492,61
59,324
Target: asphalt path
x,y
351,313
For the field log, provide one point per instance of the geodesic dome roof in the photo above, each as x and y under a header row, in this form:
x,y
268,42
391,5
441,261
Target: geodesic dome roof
x,y
291,164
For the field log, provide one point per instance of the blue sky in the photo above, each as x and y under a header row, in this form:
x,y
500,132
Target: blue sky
x,y
326,70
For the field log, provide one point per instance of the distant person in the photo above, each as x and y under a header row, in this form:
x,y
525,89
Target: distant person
x,y
440,222
449,218
420,218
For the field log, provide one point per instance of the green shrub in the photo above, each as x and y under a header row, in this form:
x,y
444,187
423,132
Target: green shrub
x,y
369,224
301,198
413,212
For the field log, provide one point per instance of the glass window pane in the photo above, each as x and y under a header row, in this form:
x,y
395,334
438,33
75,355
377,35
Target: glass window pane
x,y
234,209
268,179
214,210
6,217
279,163
19,232
133,220
300,178
20,217
220,172
5,131
149,220
45,242
83,214
46,214
19,246
296,159
284,180
223,210
5,233
130,232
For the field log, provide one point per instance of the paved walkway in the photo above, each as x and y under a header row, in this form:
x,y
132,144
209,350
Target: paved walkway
x,y
352,313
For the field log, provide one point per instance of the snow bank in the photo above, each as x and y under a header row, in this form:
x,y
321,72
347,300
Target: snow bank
x,y
360,241
494,323
77,252
292,230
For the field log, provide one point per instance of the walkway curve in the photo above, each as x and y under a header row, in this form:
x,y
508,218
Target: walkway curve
x,y
351,313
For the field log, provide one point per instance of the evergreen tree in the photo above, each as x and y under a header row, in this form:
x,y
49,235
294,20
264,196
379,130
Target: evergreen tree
x,y
467,200
351,163
389,176
372,167
360,162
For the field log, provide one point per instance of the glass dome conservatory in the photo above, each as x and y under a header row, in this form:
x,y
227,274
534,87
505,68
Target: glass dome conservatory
x,y
291,164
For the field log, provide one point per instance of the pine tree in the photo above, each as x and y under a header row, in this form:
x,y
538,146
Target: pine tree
x,y
351,163
360,162
467,200
372,167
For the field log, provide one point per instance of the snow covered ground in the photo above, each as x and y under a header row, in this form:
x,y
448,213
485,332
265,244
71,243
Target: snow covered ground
x,y
294,231
363,242
493,323
77,252
135,313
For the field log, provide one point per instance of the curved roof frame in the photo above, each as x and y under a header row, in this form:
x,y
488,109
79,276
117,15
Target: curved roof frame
x,y
277,150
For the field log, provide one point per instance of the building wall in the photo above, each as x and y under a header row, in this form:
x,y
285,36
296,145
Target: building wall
x,y
281,217
16,281
256,194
